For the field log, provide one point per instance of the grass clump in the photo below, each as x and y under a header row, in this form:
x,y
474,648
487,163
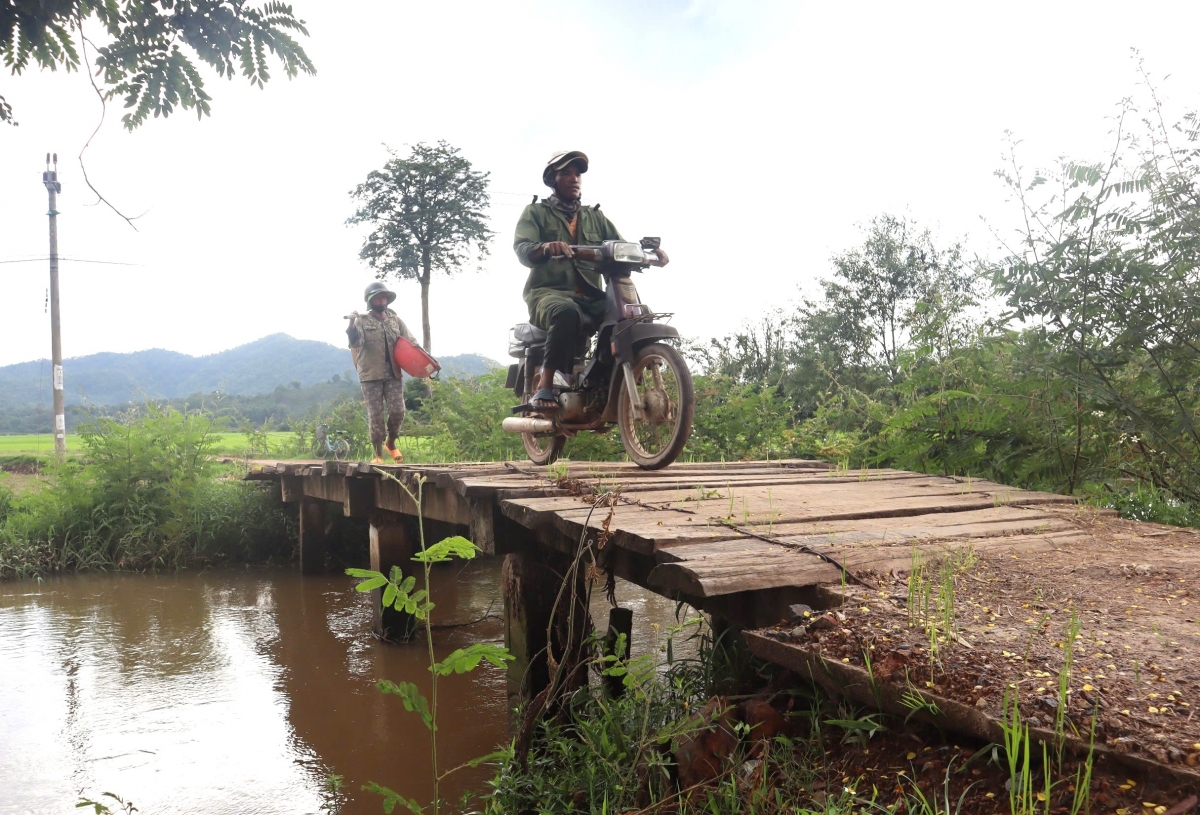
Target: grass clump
x,y
146,492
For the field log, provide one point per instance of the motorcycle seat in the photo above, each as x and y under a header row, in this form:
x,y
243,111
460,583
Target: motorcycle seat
x,y
528,334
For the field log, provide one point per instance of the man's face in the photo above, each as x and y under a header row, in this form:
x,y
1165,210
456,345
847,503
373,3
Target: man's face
x,y
379,302
567,182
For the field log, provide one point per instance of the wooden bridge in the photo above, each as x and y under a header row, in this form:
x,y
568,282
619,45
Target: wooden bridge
x,y
817,569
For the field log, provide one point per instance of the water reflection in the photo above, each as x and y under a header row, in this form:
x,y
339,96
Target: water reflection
x,y
237,692
230,692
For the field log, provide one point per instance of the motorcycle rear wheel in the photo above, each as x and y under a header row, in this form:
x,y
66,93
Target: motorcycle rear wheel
x,y
541,448
668,406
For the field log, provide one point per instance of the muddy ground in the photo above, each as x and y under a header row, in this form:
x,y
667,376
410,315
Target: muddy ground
x,y
1129,594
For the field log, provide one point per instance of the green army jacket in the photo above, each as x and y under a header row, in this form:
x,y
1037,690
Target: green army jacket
x,y
542,223
371,342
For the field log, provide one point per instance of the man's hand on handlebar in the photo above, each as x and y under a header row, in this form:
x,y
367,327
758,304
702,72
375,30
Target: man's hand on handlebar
x,y
556,249
662,256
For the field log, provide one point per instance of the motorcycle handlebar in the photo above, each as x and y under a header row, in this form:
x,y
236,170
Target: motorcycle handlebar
x,y
596,253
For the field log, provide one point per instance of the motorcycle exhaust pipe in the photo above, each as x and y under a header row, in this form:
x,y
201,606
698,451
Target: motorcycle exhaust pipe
x,y
519,424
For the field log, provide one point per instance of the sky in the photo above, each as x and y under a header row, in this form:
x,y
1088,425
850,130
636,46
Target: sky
x,y
754,137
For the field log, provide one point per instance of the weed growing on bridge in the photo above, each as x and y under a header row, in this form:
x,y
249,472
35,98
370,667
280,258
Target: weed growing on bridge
x,y
399,592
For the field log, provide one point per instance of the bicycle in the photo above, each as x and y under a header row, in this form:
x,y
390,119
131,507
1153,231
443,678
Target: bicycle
x,y
326,444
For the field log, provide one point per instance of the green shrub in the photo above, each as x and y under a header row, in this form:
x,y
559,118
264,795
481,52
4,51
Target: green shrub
x,y
145,493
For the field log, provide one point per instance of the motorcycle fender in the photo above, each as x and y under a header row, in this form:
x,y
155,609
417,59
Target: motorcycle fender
x,y
630,338
652,332
517,378
511,381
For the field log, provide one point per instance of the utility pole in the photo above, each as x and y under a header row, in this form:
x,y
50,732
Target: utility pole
x,y
53,188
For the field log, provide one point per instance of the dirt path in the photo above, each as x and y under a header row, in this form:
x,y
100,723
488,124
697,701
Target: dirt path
x,y
1104,623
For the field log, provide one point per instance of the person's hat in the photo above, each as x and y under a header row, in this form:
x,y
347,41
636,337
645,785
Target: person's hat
x,y
561,160
378,288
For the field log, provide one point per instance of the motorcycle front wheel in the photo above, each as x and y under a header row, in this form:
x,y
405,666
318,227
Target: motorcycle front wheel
x,y
668,405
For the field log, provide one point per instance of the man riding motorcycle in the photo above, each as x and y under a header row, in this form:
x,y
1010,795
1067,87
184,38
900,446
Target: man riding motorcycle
x,y
564,293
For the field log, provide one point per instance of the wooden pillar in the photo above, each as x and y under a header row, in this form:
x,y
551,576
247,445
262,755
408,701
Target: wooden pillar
x,y
531,584
731,658
312,536
528,598
620,621
391,545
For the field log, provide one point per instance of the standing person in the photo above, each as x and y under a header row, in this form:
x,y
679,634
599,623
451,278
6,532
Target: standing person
x,y
372,339
565,295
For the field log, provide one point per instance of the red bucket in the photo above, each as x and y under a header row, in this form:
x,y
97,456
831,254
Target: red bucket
x,y
413,360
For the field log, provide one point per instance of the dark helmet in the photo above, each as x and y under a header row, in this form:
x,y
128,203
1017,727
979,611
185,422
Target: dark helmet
x,y
560,160
378,288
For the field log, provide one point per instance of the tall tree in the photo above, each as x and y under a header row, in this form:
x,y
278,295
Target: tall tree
x,y
142,60
426,213
895,287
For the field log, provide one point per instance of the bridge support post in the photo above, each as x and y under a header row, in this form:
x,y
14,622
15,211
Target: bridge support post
x,y
531,584
528,598
391,545
312,536
620,621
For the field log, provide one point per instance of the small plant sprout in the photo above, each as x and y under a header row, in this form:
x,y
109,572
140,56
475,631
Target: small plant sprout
x,y
1021,799
398,593
1064,679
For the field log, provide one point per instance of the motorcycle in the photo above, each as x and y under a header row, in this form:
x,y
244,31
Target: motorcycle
x,y
629,375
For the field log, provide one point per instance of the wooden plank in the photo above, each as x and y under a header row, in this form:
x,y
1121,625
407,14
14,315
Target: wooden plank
x,y
851,500
744,569
360,497
981,523
652,528
291,488
856,683
438,504
325,489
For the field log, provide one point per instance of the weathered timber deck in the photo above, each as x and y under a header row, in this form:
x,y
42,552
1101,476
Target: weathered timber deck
x,y
744,540
712,534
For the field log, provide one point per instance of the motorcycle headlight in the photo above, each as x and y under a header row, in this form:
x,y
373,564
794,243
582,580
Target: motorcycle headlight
x,y
624,252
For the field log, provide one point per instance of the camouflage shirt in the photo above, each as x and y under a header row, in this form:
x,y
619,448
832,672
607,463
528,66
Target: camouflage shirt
x,y
372,339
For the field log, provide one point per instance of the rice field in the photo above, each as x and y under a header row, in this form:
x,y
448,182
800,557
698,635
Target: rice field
x,y
279,444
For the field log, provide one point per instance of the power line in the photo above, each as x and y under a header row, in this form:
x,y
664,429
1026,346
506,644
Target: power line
x,y
73,260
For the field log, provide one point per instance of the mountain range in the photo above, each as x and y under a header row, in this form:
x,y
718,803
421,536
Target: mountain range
x,y
254,368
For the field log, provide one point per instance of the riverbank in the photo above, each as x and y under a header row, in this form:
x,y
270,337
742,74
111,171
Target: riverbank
x,y
142,494
723,733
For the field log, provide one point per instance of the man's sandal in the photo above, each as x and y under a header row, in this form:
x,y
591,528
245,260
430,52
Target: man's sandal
x,y
377,460
396,455
544,400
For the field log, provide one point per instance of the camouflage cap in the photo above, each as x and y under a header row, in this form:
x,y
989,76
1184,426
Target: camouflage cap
x,y
562,159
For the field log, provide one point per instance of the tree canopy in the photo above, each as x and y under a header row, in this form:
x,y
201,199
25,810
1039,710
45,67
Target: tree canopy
x,y
427,214
148,58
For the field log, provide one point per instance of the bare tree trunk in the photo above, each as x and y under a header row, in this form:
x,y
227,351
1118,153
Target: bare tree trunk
x,y
425,271
425,308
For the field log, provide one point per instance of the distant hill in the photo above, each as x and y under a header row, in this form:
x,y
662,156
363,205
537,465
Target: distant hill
x,y
254,368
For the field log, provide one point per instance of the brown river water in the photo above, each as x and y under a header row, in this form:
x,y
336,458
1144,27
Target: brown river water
x,y
238,691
